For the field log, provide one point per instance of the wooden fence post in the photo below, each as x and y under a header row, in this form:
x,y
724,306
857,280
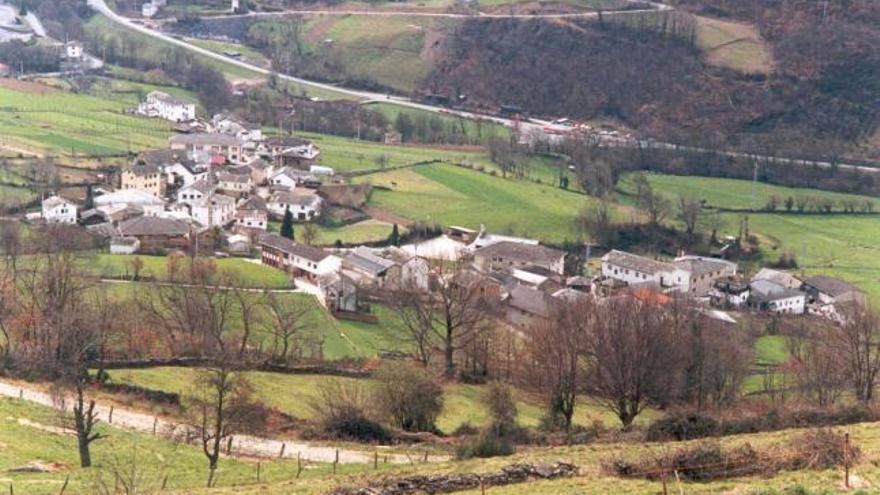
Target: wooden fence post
x,y
155,423
110,416
258,471
299,465
335,462
283,446
846,460
376,459
229,445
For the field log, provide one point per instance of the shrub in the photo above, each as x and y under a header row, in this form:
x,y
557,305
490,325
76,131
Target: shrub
x,y
820,449
465,429
489,444
682,426
498,399
342,409
408,397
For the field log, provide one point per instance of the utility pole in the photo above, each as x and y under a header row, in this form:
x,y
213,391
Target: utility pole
x,y
755,186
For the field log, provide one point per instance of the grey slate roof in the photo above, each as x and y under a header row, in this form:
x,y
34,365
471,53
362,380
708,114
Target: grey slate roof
x,y
635,262
365,260
153,226
834,287
285,245
526,253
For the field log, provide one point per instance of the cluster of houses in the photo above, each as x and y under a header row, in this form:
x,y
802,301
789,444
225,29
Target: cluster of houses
x,y
528,279
218,175
717,283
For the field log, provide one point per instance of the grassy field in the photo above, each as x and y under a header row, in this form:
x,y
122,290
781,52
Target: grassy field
x,y
451,195
357,233
732,193
249,274
25,438
45,120
839,245
293,394
389,50
734,45
476,131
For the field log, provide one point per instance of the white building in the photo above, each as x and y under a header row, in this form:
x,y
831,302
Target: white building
x,y
73,50
766,295
235,183
632,269
215,210
194,192
56,209
165,106
110,202
301,261
305,206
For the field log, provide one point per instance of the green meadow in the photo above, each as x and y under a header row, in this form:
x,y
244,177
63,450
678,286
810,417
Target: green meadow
x,y
73,124
839,245
450,195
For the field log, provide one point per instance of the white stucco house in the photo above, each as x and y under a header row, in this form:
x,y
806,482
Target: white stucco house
x,y
151,205
56,209
165,106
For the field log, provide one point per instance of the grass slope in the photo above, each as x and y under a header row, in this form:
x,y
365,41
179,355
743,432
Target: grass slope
x,y
24,439
293,394
65,123
451,195
839,245
734,45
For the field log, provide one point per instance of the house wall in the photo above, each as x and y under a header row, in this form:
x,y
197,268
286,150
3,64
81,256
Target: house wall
x,y
152,183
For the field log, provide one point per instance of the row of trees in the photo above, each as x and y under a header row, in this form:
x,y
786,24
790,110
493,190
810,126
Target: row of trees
x,y
818,204
629,354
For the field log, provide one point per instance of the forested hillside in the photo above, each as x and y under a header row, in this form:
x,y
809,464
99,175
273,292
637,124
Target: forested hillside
x,y
822,95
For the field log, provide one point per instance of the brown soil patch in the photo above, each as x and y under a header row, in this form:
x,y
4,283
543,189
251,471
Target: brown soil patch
x,y
27,87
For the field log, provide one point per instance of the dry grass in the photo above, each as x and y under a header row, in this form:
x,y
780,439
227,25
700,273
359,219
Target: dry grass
x,y
733,45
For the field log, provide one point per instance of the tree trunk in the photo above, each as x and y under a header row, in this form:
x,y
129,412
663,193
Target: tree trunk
x,y
449,353
85,456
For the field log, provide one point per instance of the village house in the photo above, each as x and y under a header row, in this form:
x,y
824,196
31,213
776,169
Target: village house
x,y
214,210
260,170
525,306
156,235
146,202
56,209
368,269
179,169
703,272
124,245
165,106
828,296
632,269
506,255
778,277
289,178
305,206
766,295
246,131
292,151
73,50
414,270
299,260
252,213
237,184
729,292
149,178
223,145
194,192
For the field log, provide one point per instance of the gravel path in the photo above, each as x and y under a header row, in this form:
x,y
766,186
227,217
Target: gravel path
x,y
244,445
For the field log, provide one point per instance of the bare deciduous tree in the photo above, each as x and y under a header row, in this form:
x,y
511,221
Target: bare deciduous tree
x,y
287,319
552,364
631,349
857,342
222,405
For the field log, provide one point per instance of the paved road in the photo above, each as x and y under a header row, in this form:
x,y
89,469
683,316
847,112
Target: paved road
x,y
532,126
451,15
244,445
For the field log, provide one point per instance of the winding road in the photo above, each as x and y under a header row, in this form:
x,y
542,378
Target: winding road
x,y
242,445
532,126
